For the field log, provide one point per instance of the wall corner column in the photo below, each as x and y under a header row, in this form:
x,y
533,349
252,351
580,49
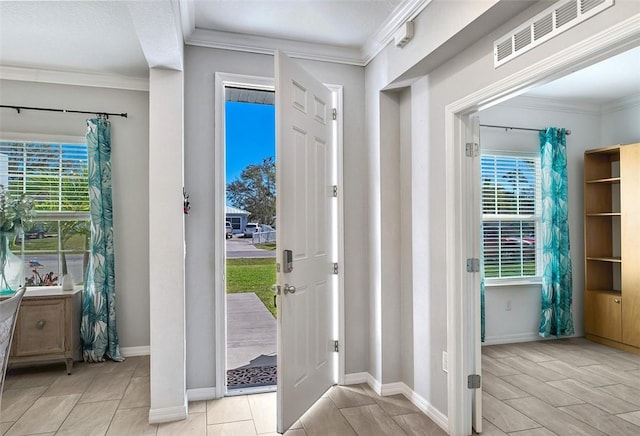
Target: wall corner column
x,y
166,246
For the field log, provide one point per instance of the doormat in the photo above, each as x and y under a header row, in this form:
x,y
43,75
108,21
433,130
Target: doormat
x,y
252,377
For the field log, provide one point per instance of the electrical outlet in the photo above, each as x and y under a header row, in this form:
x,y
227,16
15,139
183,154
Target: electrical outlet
x,y
445,361
507,306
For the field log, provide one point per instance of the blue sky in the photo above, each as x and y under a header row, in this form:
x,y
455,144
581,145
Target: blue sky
x,y
251,135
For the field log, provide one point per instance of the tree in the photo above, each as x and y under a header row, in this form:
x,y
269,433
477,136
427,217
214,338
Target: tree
x,y
255,191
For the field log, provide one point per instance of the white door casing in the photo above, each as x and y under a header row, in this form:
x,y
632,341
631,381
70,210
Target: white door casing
x,y
305,175
474,180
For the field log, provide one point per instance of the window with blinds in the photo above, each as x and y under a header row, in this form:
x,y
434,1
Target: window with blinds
x,y
510,214
55,175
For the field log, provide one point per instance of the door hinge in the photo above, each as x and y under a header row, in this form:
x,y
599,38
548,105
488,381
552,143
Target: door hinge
x,y
474,381
335,268
278,267
336,347
335,114
334,190
473,265
471,149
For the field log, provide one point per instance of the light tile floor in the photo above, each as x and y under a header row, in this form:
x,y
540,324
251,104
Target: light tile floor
x,y
113,399
560,387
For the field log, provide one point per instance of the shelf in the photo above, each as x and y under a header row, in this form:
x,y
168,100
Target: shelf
x,y
611,149
605,259
611,180
606,291
605,214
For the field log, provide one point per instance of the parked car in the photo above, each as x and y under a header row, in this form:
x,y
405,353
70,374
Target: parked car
x,y
250,229
37,231
229,230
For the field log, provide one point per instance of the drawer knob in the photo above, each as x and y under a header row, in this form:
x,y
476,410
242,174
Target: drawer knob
x,y
40,324
616,300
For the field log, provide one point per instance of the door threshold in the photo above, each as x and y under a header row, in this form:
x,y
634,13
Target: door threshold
x,y
250,391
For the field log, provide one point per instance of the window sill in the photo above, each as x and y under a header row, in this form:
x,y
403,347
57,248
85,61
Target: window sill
x,y
516,281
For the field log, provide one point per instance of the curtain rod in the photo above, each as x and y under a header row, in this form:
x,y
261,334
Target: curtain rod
x,y
106,114
568,132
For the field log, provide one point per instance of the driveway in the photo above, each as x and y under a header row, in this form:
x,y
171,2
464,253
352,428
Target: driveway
x,y
242,248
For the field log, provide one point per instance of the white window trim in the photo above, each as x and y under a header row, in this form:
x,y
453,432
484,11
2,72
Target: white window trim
x,y
536,279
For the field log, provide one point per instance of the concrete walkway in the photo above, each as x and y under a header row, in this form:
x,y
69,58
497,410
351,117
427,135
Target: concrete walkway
x,y
251,332
243,248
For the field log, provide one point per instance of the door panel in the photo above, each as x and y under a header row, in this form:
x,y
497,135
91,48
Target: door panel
x,y
304,182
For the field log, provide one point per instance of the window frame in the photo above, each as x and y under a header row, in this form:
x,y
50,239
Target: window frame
x,y
536,218
44,216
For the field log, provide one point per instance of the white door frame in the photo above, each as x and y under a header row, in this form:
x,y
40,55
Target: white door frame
x,y
614,40
223,80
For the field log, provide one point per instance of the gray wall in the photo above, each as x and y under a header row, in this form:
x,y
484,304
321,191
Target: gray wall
x,y
468,71
130,167
200,66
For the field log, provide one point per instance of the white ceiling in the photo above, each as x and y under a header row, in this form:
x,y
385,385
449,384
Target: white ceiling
x,y
104,37
89,36
346,23
613,79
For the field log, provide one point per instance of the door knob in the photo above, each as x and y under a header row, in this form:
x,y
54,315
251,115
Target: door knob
x,y
289,289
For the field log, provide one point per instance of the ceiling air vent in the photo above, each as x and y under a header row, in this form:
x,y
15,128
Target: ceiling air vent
x,y
563,15
587,5
566,13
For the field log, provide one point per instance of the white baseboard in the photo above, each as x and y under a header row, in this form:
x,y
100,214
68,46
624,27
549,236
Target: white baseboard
x,y
135,351
436,416
393,389
400,388
522,337
511,339
356,378
168,414
201,394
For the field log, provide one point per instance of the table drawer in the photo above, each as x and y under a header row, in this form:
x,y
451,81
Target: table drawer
x,y
40,329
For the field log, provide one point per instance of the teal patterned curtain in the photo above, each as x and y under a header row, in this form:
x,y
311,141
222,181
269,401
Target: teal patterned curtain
x,y
557,286
98,328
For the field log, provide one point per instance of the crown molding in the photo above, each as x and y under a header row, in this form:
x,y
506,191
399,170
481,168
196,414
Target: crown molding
x,y
263,45
187,13
97,80
552,104
406,11
621,104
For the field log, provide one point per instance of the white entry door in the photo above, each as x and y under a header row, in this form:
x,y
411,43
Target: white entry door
x,y
305,175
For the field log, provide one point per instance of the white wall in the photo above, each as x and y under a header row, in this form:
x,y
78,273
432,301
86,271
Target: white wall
x,y
130,167
523,321
620,123
201,65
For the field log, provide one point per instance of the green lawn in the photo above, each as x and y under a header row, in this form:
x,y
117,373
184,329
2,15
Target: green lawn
x,y
253,275
270,246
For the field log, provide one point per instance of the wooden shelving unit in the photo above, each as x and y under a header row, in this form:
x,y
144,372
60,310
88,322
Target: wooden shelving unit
x,y
611,220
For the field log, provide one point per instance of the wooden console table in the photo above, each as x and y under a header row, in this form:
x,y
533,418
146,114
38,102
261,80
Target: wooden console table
x,y
48,327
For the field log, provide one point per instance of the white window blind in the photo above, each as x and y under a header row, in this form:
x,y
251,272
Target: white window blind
x,y
55,175
510,214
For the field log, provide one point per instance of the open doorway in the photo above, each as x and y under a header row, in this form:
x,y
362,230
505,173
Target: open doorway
x,y
594,117
250,231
